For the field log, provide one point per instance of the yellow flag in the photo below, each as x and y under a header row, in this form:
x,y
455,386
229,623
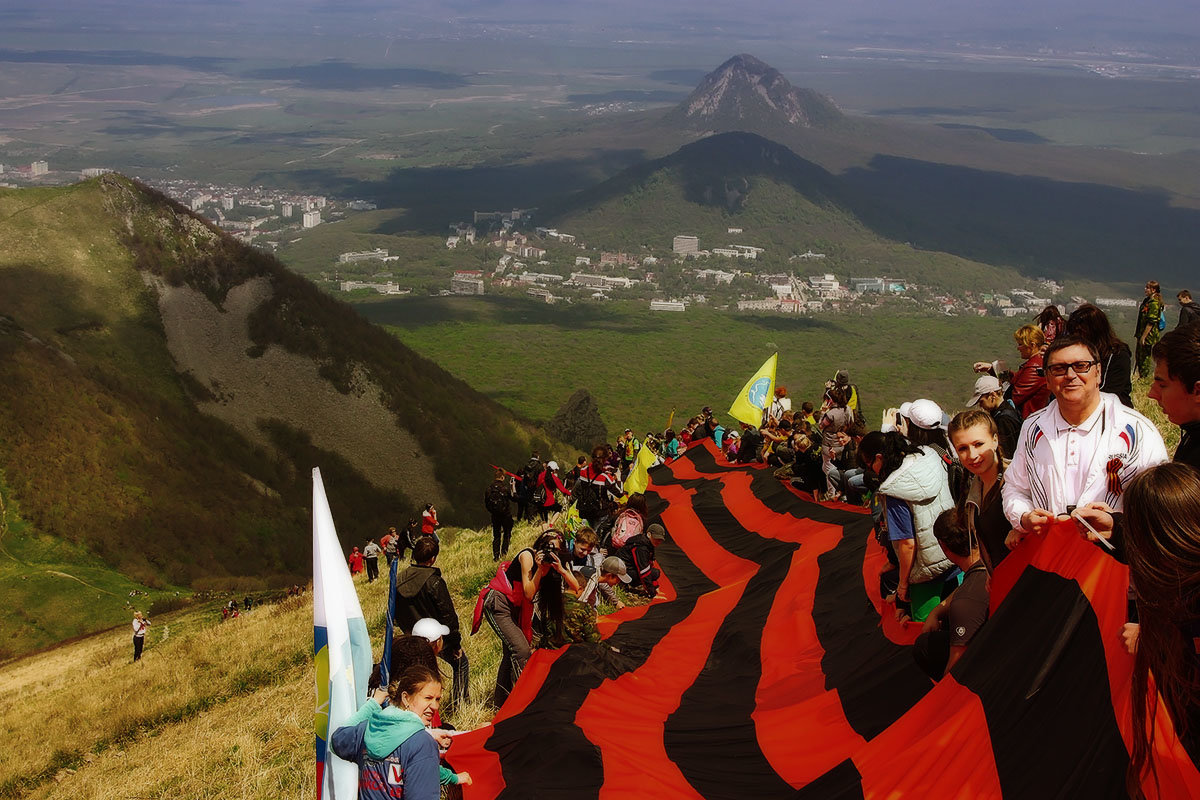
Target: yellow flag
x,y
752,400
639,476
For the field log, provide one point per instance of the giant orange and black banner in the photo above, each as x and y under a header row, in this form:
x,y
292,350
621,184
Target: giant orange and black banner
x,y
772,670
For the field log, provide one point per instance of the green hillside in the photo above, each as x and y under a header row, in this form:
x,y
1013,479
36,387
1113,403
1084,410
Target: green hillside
x,y
141,470
950,227
640,364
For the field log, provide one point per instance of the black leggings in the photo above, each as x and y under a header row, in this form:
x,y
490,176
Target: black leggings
x,y
138,643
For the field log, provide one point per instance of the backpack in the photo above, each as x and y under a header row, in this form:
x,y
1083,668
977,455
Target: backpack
x,y
956,474
628,525
497,499
529,475
588,498
1162,319
539,490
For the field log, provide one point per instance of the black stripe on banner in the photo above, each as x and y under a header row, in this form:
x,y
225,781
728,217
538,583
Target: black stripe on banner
x,y
730,764
1039,669
843,782
542,753
876,679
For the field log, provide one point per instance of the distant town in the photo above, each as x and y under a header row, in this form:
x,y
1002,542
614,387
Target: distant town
x,y
555,266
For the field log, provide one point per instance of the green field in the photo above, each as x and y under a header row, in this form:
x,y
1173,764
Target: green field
x,y
640,364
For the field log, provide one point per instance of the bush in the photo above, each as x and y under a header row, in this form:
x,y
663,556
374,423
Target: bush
x,y
164,604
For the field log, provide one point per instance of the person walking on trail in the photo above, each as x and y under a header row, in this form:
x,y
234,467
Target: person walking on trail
x,y
140,624
371,559
498,501
1151,321
356,562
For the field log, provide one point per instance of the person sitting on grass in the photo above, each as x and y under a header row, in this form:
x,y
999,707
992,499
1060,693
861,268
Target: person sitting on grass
x,y
750,445
393,745
950,626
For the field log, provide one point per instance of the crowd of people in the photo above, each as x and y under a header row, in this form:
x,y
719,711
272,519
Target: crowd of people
x,y
1056,438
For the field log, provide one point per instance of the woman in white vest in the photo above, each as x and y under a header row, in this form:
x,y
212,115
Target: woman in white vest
x,y
913,489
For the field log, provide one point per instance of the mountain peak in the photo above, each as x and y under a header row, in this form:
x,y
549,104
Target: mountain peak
x,y
746,93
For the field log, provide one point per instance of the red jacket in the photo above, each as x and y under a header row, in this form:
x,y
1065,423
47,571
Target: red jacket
x,y
550,487
1030,392
429,523
516,599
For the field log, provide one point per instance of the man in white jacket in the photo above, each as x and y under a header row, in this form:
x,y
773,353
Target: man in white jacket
x,y
1079,451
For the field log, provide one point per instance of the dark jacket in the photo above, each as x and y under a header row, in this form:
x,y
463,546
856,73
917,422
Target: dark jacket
x,y
1188,451
420,593
1008,425
1188,313
1117,375
638,555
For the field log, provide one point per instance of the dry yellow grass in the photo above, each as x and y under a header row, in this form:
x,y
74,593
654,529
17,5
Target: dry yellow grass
x,y
213,709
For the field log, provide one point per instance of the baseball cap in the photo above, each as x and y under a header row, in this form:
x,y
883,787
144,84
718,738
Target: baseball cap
x,y
985,385
553,465
615,566
656,531
906,410
928,415
429,628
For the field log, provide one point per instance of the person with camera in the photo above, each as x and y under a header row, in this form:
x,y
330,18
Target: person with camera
x,y
507,603
140,624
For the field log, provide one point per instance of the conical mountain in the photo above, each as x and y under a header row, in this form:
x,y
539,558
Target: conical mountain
x,y
745,93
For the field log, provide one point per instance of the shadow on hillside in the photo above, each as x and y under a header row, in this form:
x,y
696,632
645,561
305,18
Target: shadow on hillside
x,y
1037,225
788,323
419,312
435,197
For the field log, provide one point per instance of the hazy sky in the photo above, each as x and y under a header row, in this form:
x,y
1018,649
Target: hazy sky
x,y
1169,22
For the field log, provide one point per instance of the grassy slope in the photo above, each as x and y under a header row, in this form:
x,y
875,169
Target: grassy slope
x,y
56,590
214,709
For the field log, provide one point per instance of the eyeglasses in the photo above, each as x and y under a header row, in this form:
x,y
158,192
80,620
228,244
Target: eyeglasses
x,y
1059,370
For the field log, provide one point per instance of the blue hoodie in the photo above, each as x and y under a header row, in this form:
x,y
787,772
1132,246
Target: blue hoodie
x,y
392,762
